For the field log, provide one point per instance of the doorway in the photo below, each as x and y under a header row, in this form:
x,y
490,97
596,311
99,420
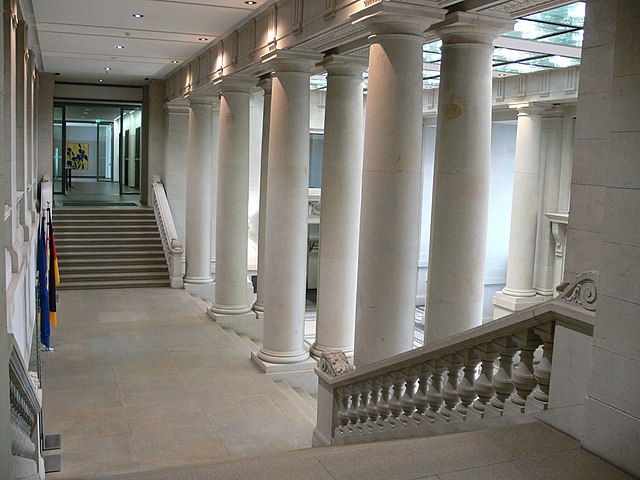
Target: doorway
x,y
97,154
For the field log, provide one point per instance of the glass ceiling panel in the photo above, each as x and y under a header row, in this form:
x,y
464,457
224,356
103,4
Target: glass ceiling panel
x,y
572,15
533,30
555,61
573,39
502,55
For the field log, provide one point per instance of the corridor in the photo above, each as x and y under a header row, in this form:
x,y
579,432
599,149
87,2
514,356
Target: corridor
x,y
142,379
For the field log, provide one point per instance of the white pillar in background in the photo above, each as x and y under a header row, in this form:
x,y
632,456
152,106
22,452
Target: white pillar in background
x,y
265,84
199,174
391,181
230,307
287,211
519,292
340,215
455,288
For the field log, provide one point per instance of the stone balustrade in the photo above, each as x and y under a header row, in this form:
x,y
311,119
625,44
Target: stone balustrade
x,y
25,409
484,373
172,246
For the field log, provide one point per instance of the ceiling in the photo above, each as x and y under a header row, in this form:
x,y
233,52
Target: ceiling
x,y
101,41
79,39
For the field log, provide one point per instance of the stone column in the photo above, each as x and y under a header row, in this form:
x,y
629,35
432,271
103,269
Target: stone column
x,y
265,84
287,212
230,307
455,288
519,292
391,180
340,215
174,171
198,277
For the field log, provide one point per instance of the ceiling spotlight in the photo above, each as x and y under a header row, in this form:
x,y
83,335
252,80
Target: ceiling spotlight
x,y
203,39
120,46
101,80
137,15
249,2
107,68
174,61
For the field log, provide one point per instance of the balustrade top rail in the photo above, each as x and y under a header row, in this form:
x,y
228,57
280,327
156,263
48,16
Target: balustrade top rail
x,y
574,308
172,246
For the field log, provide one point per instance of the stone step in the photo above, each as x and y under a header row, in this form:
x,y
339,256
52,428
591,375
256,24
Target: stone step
x,y
307,397
107,241
66,269
254,345
105,227
90,276
308,410
80,223
289,407
99,234
121,260
238,341
146,247
84,285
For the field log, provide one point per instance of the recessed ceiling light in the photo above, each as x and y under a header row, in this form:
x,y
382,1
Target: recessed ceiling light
x,y
107,68
203,39
137,15
249,2
174,61
120,46
101,80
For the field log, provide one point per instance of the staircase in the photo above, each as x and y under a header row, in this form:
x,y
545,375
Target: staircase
x,y
109,248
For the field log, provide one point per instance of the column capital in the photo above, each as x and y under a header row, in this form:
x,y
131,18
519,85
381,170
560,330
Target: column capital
x,y
266,84
464,28
201,99
177,107
235,83
528,108
344,65
290,61
396,17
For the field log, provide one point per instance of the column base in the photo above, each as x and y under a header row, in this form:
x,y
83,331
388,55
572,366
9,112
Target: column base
x,y
504,304
200,290
242,323
298,375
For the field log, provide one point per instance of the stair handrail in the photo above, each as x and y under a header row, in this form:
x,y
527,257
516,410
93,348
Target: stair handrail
x,y
25,409
409,389
171,243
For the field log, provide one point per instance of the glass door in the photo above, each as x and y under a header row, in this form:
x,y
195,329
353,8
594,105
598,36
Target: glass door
x,y
58,150
130,150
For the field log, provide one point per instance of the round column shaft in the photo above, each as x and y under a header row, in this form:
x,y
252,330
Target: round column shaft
x,y
524,209
455,288
199,174
287,199
340,216
233,199
391,183
265,84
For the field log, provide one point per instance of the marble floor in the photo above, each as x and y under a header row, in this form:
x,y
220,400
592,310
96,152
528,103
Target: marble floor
x,y
142,379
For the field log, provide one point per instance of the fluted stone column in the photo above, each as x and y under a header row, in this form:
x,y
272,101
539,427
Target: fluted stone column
x,y
455,287
230,307
198,277
265,84
519,292
340,216
391,182
287,211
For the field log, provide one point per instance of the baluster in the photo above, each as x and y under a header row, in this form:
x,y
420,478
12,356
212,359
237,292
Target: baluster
x,y
352,412
407,400
523,378
483,384
466,391
450,390
542,371
374,404
502,383
394,404
420,397
434,394
343,417
383,403
363,408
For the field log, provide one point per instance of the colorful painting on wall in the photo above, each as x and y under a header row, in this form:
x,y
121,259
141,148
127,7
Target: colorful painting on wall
x,y
78,156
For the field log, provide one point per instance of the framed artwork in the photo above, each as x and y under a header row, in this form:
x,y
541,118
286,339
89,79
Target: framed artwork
x,y
77,156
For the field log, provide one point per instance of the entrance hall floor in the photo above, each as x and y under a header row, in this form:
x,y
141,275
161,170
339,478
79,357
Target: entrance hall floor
x,y
142,379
